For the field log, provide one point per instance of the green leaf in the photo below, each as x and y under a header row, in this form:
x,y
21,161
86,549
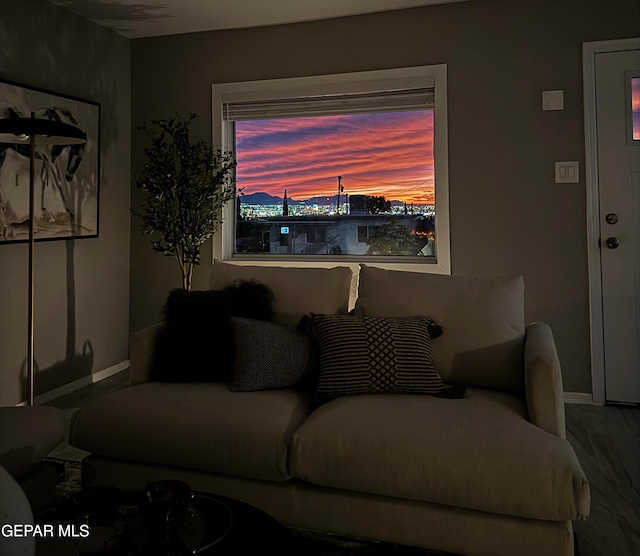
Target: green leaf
x,y
185,185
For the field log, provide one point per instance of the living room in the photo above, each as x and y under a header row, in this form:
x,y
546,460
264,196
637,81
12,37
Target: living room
x,y
507,216
506,212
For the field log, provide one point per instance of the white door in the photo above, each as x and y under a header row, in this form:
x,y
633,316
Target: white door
x,y
617,81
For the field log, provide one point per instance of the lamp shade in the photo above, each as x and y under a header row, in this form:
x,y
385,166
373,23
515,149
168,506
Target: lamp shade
x,y
45,131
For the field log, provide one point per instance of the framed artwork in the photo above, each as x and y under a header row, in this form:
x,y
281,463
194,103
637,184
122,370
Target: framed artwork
x,y
66,178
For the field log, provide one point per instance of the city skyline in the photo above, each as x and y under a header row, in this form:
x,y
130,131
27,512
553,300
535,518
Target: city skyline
x,y
389,154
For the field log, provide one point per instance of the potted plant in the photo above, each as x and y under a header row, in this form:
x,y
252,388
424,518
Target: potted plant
x,y
186,185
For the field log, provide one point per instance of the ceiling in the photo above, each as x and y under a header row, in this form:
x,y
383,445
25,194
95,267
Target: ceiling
x,y
150,18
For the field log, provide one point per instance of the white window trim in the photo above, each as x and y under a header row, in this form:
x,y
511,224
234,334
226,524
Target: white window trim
x,y
435,75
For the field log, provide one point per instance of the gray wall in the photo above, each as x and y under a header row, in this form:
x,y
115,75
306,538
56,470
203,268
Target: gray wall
x,y
82,286
507,214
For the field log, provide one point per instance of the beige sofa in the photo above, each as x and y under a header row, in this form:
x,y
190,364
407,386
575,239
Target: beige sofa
x,y
489,474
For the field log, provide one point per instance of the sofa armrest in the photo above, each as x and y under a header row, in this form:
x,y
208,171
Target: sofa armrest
x,y
141,349
543,380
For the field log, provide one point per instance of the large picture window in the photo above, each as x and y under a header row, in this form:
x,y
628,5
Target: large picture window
x,y
349,166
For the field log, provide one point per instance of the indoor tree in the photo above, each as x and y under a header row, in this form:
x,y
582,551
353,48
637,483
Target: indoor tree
x,y
186,185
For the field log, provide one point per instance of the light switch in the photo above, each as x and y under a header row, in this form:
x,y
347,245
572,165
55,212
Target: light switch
x,y
567,172
553,100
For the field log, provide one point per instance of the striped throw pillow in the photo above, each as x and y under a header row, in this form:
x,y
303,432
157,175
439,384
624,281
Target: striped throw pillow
x,y
375,355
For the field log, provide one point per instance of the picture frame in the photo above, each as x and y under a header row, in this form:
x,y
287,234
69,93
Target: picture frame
x,y
66,178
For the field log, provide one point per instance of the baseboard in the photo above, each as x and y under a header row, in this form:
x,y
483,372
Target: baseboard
x,y
81,383
578,398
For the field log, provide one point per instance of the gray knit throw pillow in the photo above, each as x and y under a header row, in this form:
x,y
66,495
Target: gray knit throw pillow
x,y
268,356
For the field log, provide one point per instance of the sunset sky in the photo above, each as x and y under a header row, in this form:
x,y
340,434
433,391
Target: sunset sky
x,y
388,154
635,104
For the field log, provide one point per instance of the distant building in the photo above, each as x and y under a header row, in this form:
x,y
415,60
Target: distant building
x,y
327,234
357,204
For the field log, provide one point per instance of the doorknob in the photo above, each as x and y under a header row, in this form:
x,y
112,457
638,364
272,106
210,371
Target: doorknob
x,y
613,242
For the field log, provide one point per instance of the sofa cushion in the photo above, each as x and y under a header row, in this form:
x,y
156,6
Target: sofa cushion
x,y
200,426
375,354
196,343
483,319
478,453
267,355
297,290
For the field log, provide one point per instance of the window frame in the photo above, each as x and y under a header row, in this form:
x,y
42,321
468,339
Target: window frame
x,y
370,81
630,76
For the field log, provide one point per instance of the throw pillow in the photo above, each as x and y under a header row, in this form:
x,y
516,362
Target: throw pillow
x,y
268,356
196,343
375,355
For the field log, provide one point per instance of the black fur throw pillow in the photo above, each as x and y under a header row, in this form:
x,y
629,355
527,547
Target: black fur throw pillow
x,y
196,343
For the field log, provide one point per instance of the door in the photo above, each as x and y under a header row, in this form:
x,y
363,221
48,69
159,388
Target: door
x,y
617,82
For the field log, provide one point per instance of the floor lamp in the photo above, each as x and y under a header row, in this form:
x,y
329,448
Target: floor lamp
x,y
36,131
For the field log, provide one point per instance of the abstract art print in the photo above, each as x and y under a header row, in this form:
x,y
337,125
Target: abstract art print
x,y
66,177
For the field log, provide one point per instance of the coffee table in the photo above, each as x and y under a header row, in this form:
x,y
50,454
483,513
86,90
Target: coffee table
x,y
107,521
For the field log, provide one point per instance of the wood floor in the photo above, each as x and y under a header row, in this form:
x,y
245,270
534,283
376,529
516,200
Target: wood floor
x,y
606,440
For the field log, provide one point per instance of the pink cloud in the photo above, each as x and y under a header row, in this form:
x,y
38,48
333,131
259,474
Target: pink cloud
x,y
381,154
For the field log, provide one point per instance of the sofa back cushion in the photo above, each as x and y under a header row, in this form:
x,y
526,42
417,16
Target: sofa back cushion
x,y
297,291
483,320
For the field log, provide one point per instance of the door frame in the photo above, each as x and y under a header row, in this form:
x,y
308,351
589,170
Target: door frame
x,y
589,51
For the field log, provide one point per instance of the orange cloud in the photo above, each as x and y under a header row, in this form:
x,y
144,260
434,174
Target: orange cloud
x,y
635,107
635,94
388,154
